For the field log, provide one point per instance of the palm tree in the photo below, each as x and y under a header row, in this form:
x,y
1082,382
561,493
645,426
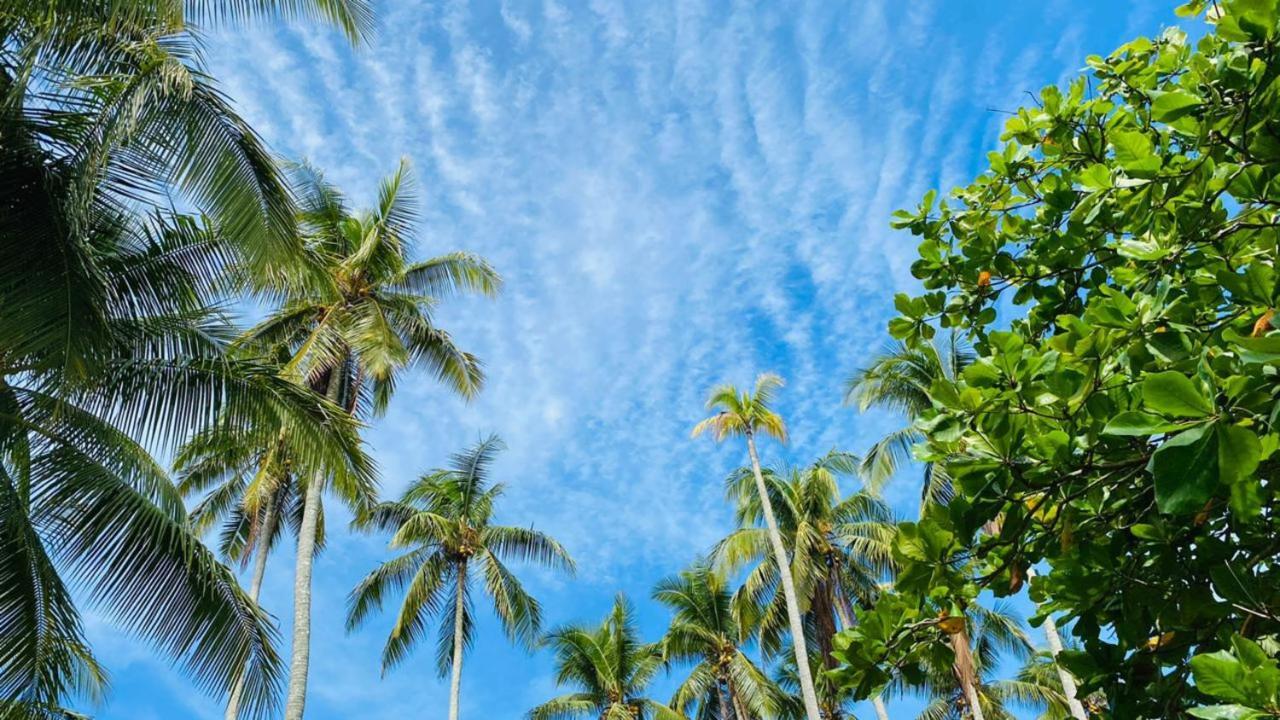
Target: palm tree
x,y
110,345
237,471
840,551
444,524
609,667
901,379
707,630
745,415
80,493
994,632
361,313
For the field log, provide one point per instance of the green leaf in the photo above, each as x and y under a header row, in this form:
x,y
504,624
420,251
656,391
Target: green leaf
x,y
1225,712
1239,452
1219,675
1095,177
1169,106
1135,422
1173,393
1254,350
1186,471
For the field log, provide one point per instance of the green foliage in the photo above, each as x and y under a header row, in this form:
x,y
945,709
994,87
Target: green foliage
x,y
443,524
1114,271
1245,681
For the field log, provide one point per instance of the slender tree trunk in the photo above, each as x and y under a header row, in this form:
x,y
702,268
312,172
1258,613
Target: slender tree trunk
x,y
846,622
807,692
459,605
255,589
1068,681
966,674
300,663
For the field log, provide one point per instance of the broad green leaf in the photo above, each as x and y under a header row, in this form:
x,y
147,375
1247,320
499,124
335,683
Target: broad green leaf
x,y
1170,106
1254,350
1185,469
1134,422
1173,393
1219,675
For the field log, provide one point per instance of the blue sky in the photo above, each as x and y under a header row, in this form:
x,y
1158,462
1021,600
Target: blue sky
x,y
678,193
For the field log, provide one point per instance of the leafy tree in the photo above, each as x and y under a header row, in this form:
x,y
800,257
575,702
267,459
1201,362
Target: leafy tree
x,y
1132,402
745,415
609,666
1243,682
444,522
707,629
840,551
359,314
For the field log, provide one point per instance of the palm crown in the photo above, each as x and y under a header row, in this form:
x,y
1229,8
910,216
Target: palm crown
x,y
444,524
742,413
610,667
708,631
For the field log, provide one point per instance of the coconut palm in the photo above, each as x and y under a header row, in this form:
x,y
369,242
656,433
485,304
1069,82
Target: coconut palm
x,y
444,525
993,633
901,379
1038,687
359,315
80,494
610,669
746,415
707,631
236,471
840,552
110,347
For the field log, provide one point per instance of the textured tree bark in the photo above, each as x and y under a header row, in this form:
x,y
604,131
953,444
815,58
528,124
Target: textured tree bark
x,y
255,589
965,673
807,692
455,681
300,663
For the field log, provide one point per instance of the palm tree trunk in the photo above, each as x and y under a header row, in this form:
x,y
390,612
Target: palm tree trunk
x,y
255,589
966,674
846,622
300,662
807,692
1068,681
455,682
726,707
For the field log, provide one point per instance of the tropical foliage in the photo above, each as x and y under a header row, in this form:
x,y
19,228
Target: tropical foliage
x,y
1096,428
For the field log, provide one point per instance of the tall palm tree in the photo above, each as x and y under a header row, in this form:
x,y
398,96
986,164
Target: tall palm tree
x,y
609,667
840,552
708,631
110,347
901,379
360,314
235,470
745,415
444,525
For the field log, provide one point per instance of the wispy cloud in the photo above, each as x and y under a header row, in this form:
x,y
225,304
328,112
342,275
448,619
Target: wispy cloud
x,y
678,193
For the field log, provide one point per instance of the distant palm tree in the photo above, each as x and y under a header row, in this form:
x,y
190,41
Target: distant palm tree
x,y
708,631
993,633
609,667
360,314
840,552
444,523
746,415
252,489
900,380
